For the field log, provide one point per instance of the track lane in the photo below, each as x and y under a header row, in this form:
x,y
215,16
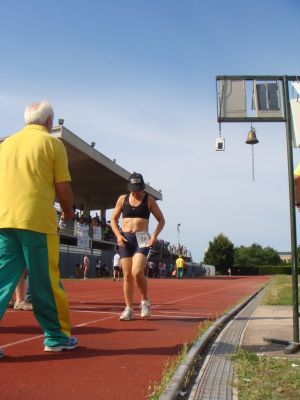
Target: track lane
x,y
115,359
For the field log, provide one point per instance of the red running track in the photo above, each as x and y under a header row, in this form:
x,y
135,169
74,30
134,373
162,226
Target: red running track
x,y
115,359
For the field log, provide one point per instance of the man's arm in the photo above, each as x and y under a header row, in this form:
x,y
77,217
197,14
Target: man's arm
x,y
64,195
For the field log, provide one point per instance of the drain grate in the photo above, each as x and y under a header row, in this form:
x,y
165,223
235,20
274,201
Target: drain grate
x,y
214,380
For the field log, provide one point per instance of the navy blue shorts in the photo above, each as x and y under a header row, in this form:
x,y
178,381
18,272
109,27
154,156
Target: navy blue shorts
x,y
132,247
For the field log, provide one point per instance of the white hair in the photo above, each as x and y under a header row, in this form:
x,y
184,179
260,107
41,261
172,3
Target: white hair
x,y
38,113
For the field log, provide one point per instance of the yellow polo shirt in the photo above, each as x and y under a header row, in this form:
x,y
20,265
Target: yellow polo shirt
x,y
297,171
31,162
179,263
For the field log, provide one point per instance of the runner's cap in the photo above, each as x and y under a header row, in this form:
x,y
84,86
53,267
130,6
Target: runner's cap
x,y
136,182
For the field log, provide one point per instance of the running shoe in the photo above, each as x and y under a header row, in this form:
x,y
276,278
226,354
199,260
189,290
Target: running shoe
x,y
1,353
127,314
23,306
145,309
71,344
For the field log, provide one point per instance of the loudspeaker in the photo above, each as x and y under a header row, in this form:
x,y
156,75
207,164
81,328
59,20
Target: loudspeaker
x,y
220,144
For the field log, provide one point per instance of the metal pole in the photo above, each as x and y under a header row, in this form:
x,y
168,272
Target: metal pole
x,y
292,210
295,345
178,230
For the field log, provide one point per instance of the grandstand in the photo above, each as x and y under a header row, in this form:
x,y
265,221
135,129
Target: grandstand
x,y
97,182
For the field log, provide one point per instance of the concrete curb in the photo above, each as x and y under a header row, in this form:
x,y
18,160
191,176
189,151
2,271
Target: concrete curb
x,y
173,388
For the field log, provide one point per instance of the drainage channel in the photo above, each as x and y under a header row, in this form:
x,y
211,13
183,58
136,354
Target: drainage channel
x,y
215,379
208,365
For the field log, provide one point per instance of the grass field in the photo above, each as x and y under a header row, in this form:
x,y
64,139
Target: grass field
x,y
280,292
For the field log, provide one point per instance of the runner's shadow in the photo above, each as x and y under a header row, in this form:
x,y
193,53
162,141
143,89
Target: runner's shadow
x,y
79,330
90,330
34,330
85,352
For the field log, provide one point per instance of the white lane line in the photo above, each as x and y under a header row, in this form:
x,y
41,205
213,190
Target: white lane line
x,y
163,315
166,316
21,341
95,312
183,313
3,346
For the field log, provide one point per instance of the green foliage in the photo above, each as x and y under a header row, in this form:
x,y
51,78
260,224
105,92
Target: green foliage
x,y
279,269
298,253
220,253
244,260
255,256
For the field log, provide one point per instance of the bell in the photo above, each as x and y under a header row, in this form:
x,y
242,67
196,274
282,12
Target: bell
x,y
251,137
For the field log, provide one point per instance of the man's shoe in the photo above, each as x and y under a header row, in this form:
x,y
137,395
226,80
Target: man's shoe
x,y
145,309
127,314
71,344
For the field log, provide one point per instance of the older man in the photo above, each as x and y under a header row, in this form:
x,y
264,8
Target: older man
x,y
33,172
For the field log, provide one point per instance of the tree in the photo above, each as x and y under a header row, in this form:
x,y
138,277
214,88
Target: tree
x,y
220,253
255,256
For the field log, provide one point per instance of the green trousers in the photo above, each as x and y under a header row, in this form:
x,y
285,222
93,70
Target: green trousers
x,y
39,252
179,273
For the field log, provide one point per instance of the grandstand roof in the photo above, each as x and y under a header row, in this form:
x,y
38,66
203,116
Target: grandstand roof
x,y
97,181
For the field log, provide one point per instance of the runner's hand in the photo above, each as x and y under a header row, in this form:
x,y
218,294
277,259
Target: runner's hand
x,y
152,241
121,241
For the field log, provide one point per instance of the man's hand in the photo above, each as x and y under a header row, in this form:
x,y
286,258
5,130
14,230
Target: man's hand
x,y
68,215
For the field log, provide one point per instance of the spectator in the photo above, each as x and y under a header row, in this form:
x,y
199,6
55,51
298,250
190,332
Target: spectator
x,y
104,271
156,272
85,266
34,171
179,267
78,270
150,269
163,269
116,266
98,268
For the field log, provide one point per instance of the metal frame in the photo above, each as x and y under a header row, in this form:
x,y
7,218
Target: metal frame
x,y
294,345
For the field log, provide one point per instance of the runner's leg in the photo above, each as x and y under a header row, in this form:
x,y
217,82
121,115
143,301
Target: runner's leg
x,y
128,281
139,262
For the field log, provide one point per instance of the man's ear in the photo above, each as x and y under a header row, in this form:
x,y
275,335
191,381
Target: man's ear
x,y
49,123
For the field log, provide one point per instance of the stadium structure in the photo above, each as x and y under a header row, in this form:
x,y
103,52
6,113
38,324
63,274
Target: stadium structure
x,y
97,182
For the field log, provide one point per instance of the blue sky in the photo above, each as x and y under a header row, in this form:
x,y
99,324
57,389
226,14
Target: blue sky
x,y
138,78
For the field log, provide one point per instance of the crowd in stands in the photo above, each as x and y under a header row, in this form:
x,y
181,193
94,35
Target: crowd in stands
x,y
105,232
101,229
179,249
162,247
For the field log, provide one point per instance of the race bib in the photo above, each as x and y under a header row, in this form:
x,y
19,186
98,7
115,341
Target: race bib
x,y
142,239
